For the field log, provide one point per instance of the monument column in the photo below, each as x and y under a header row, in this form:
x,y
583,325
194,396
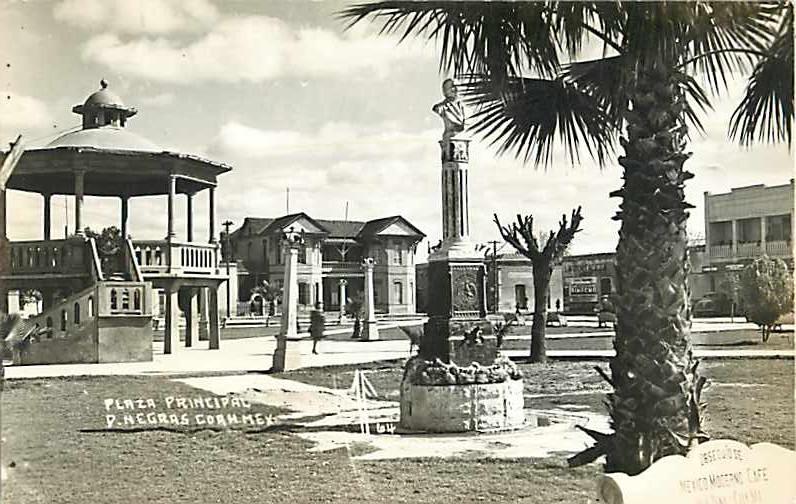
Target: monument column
x,y
47,216
79,188
343,282
456,271
370,330
287,355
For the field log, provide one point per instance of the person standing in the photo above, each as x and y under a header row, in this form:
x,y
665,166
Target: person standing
x,y
317,323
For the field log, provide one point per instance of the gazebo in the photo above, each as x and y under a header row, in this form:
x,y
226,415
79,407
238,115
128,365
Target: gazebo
x,y
82,299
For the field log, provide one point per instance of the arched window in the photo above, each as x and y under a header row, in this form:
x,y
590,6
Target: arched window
x,y
126,299
91,306
63,320
114,300
76,318
137,299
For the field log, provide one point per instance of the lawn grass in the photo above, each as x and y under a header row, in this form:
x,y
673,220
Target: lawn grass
x,y
54,449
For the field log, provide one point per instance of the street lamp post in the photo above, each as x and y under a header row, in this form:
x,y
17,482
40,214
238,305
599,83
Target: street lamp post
x,y
227,224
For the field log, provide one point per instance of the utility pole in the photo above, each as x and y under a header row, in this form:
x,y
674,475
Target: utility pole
x,y
227,224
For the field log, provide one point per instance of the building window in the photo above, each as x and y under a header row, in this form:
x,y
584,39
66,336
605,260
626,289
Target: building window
x,y
749,230
302,255
77,313
398,290
303,293
91,306
721,233
778,228
63,320
265,253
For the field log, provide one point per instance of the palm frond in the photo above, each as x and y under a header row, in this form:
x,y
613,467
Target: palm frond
x,y
723,37
766,110
499,39
715,38
526,116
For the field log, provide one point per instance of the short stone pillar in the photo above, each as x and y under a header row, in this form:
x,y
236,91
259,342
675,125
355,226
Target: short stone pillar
x,y
287,355
343,282
370,330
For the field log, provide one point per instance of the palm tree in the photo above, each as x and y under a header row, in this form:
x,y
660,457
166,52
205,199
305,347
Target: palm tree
x,y
660,63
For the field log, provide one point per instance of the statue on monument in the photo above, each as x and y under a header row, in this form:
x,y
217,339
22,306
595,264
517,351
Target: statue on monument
x,y
454,118
450,110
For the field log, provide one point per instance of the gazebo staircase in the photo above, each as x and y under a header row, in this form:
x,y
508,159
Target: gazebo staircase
x,y
109,320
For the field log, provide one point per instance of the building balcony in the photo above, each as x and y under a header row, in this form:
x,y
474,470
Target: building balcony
x,y
749,249
779,248
161,258
721,251
342,267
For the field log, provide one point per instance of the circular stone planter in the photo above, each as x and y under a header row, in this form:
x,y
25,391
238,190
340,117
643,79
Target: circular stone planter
x,y
462,408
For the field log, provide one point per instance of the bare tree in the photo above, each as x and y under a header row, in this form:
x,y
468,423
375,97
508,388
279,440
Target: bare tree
x,y
520,236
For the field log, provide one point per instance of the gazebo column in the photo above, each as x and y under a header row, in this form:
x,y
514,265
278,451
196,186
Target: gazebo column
x,y
192,317
47,214
5,251
79,187
189,212
212,305
203,333
172,189
172,193
212,206
125,215
171,334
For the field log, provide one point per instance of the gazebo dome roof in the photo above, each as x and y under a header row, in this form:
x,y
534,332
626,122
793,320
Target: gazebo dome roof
x,y
103,97
108,138
103,100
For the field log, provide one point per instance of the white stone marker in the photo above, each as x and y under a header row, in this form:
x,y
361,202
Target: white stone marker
x,y
343,283
370,331
287,355
716,472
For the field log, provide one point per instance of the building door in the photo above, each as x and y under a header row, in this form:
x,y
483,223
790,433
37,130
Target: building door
x,y
605,287
520,297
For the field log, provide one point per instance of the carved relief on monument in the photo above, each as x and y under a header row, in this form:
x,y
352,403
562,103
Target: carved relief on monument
x,y
465,290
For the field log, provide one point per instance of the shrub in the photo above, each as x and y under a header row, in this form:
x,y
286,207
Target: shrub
x,y
767,290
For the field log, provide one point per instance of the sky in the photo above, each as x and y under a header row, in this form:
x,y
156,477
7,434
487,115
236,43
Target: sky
x,y
288,97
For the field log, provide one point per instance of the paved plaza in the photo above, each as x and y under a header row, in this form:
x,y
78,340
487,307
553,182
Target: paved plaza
x,y
256,354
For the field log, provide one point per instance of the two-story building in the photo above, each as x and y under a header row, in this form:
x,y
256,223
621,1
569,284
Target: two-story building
x,y
744,224
333,252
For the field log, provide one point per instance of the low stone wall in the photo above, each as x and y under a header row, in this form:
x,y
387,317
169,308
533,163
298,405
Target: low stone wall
x,y
462,408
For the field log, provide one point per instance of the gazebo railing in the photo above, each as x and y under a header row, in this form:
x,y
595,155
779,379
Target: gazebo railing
x,y
158,258
67,256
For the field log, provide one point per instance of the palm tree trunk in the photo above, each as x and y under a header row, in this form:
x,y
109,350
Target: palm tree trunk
x,y
541,281
655,406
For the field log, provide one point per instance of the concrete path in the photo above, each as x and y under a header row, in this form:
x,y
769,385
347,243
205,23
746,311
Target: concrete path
x,y
549,432
255,354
